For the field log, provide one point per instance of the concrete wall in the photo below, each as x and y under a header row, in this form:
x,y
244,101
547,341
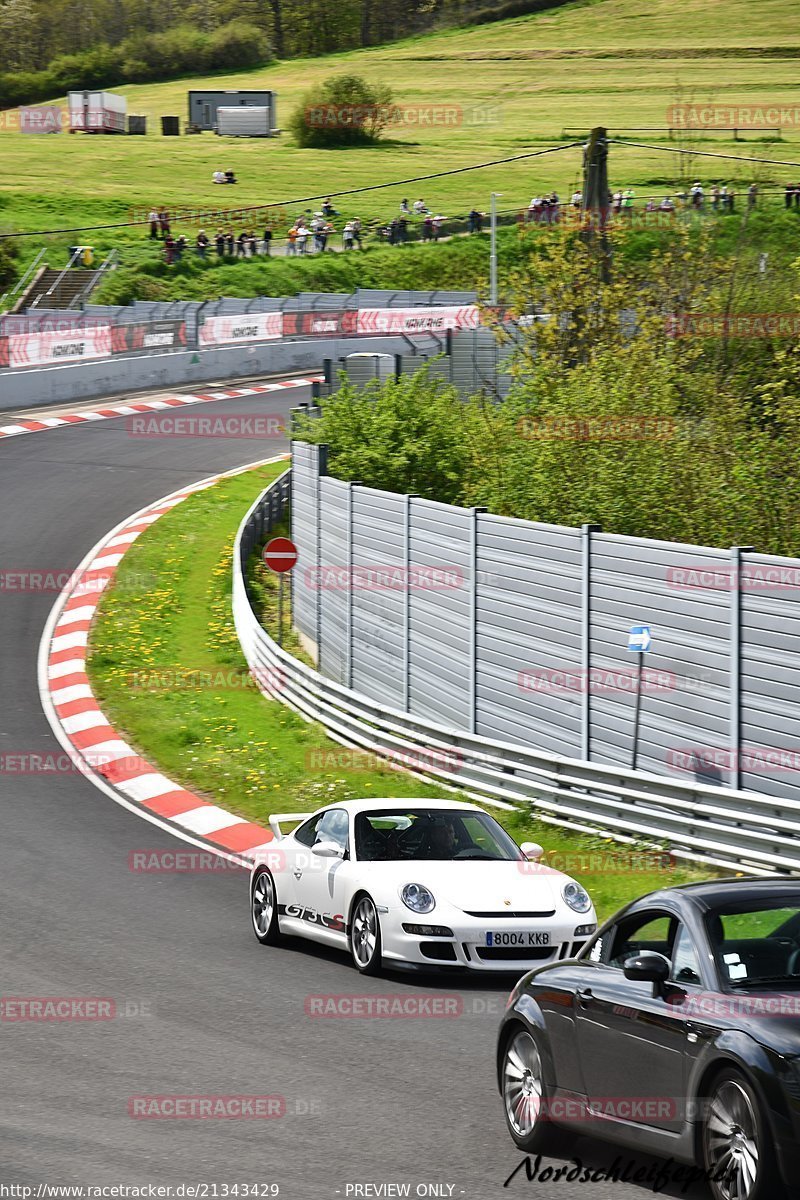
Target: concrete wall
x,y
138,373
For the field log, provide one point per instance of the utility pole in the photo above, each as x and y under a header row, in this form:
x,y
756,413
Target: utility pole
x,y
596,197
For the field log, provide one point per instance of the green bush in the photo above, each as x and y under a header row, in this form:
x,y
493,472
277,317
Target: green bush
x,y
182,50
345,111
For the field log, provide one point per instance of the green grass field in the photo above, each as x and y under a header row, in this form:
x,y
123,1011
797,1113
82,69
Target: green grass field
x,y
185,701
520,84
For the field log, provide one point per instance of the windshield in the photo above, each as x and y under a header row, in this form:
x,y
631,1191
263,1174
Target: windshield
x,y
757,944
434,834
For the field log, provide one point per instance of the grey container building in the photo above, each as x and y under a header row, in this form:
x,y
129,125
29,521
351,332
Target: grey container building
x,y
203,106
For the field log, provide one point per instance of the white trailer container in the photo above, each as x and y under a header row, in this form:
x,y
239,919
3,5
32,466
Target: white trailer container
x,y
245,121
97,112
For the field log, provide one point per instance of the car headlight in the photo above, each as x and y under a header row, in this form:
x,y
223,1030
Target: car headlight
x,y
417,897
576,897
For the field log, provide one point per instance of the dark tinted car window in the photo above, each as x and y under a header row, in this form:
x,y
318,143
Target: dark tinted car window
x,y
307,834
639,934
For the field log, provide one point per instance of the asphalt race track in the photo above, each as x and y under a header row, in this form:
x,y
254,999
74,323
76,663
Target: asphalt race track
x,y
203,1009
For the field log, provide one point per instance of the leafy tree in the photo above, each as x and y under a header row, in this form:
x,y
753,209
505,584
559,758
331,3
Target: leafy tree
x,y
345,111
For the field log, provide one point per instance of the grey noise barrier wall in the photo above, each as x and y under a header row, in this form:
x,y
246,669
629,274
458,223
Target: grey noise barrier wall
x,y
518,632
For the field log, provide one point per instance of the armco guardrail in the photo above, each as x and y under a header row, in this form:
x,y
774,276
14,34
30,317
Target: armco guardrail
x,y
722,826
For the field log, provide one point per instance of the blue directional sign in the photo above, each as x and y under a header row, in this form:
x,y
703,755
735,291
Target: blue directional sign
x,y
639,639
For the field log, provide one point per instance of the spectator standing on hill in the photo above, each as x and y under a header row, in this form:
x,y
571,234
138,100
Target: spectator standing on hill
x,y
427,229
402,230
357,228
731,200
153,219
788,195
267,241
474,221
302,238
230,243
347,236
202,243
180,247
291,241
169,249
438,221
219,241
667,205
752,195
163,222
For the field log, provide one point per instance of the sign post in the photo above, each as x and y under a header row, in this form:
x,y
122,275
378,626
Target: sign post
x,y
639,642
280,555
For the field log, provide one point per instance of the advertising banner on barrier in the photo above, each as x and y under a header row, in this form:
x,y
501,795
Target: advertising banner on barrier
x,y
44,347
418,320
149,335
241,327
319,324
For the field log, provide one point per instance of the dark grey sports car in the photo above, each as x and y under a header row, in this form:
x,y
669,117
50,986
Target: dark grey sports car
x,y
676,1032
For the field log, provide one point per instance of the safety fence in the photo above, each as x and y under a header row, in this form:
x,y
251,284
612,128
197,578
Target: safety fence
x,y
53,337
698,820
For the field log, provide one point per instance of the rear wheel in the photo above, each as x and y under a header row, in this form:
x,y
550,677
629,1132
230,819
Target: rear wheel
x,y
525,1096
737,1147
365,937
264,908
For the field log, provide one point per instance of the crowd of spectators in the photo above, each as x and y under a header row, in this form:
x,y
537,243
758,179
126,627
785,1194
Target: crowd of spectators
x,y
312,232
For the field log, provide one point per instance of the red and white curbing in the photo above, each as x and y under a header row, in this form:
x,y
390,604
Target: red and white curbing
x,y
170,401
96,748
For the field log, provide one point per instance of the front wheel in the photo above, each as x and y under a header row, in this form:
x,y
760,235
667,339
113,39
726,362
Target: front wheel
x,y
525,1097
264,908
365,937
737,1148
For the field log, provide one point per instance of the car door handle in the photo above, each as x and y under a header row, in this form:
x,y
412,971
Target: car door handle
x,y
584,995
297,873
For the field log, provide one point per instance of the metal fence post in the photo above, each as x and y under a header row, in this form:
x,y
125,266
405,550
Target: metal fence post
x,y
735,676
350,588
473,618
407,603
322,468
586,638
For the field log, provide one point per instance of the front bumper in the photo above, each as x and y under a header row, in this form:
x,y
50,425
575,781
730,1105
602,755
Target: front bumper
x,y
467,947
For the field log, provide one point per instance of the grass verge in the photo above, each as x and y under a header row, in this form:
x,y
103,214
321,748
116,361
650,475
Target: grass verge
x,y
167,669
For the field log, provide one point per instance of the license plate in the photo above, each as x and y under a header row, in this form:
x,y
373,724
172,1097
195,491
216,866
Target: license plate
x,y
507,938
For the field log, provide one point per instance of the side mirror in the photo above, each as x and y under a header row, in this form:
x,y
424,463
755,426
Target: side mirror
x,y
328,850
532,850
649,967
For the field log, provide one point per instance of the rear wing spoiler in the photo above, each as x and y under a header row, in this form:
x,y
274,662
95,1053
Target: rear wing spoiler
x,y
275,826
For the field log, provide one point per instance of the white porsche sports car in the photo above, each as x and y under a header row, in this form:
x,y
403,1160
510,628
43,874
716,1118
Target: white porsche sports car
x,y
412,881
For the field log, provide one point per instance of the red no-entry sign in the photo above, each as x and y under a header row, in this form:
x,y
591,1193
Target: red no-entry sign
x,y
280,554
